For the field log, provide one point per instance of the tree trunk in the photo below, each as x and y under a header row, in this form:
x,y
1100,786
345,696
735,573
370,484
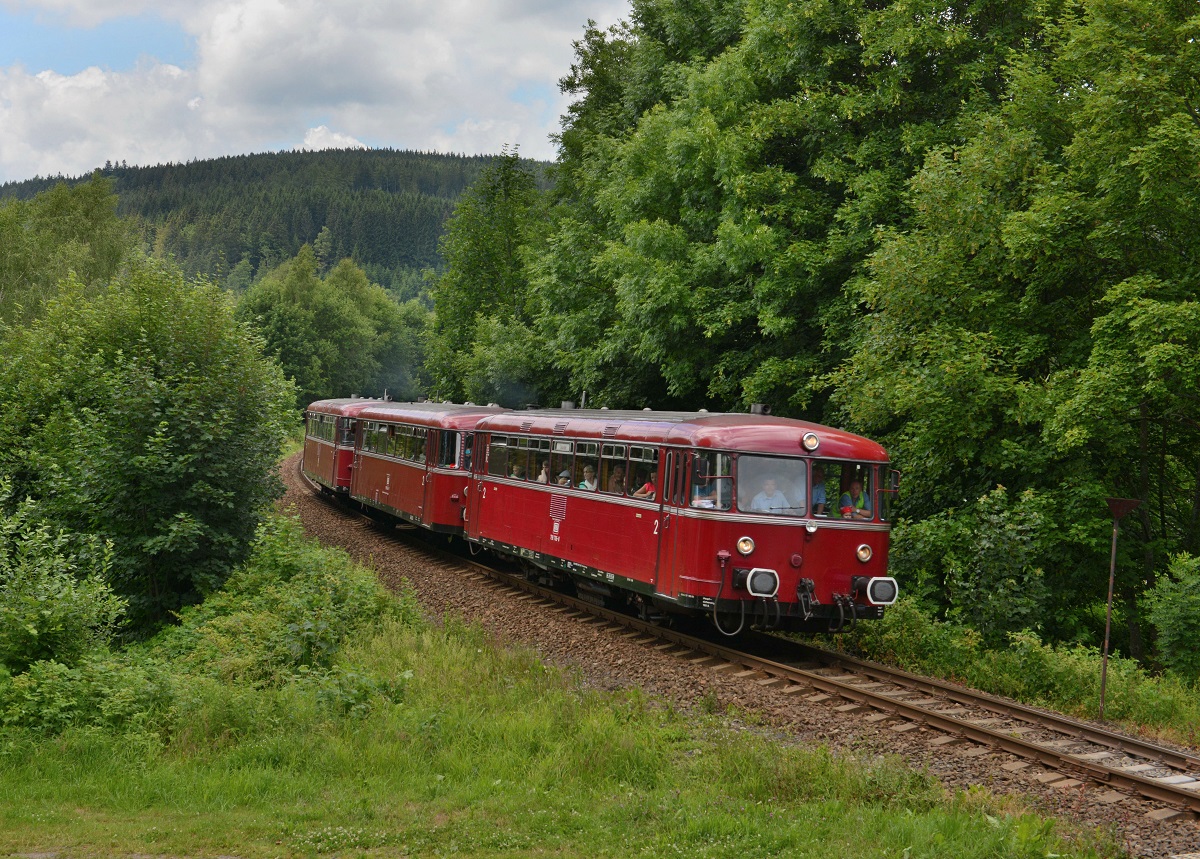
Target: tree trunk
x,y
1137,644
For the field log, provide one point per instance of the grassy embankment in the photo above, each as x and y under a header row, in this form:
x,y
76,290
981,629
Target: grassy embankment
x,y
1063,678
303,710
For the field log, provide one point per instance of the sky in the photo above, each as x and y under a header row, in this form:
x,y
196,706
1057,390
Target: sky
x,y
147,82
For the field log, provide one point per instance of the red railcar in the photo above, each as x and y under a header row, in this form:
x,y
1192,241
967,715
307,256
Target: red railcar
x,y
747,519
413,460
329,431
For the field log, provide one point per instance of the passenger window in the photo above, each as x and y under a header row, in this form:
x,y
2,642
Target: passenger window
x,y
498,456
561,465
613,469
518,459
643,472
587,462
539,461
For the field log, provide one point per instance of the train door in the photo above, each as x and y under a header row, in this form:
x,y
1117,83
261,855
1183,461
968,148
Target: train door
x,y
475,462
674,498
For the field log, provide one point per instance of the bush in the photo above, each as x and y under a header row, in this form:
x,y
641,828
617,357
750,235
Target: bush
x,y
268,646
54,602
148,417
291,605
1174,604
980,562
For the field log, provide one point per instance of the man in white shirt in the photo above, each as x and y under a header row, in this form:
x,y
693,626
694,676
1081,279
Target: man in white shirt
x,y
770,500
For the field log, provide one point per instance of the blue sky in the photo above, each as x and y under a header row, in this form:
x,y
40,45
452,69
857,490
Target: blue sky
x,y
45,41
151,81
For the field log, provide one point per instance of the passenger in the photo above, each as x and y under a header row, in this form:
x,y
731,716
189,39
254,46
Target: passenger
x,y
518,472
544,474
702,493
616,480
646,490
855,504
818,496
564,478
770,500
589,478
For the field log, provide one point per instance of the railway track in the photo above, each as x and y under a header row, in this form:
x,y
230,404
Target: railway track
x,y
1073,752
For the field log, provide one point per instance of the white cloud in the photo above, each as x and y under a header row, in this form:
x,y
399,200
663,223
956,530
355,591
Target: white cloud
x,y
271,74
322,137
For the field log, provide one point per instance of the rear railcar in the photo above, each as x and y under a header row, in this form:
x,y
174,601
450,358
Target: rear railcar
x,y
330,427
413,461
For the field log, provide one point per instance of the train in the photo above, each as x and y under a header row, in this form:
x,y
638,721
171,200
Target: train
x,y
742,520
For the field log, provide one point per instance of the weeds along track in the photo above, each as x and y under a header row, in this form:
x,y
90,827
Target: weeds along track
x,y
1073,754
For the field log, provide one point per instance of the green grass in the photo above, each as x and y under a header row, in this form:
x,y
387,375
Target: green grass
x,y
1062,677
412,740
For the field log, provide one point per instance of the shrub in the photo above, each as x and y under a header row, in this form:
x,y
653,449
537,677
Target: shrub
x,y
268,646
54,603
149,417
1174,604
292,604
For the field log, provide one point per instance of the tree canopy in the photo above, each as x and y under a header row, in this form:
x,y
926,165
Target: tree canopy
x,y
967,230
337,335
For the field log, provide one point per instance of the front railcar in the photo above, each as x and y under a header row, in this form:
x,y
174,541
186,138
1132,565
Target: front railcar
x,y
777,524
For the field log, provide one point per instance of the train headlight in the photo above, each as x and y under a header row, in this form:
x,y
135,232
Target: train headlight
x,y
762,582
745,546
810,441
882,590
863,553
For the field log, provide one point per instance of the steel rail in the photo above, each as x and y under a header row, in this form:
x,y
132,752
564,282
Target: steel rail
x,y
1022,712
796,679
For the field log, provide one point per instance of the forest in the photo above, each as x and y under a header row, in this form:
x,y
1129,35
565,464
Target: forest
x,y
235,218
967,230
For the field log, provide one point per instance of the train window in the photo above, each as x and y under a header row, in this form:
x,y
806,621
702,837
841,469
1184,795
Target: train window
x,y
676,472
613,468
885,492
448,443
843,490
323,427
345,431
518,458
643,471
561,455
712,481
498,456
539,460
587,464
772,484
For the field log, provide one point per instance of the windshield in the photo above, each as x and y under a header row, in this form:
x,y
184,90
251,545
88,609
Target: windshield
x,y
773,485
843,490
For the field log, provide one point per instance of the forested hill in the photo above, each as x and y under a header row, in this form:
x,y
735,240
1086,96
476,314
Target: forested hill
x,y
233,217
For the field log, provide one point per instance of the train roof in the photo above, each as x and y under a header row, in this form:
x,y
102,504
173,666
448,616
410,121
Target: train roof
x,y
346,407
448,415
722,430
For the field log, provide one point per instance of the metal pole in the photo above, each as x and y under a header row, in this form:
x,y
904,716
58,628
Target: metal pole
x,y
1120,507
1112,574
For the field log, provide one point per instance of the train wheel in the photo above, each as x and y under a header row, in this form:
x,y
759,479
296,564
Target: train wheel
x,y
650,613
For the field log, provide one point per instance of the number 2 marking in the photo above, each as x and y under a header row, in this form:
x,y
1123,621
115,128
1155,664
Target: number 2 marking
x,y
655,526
